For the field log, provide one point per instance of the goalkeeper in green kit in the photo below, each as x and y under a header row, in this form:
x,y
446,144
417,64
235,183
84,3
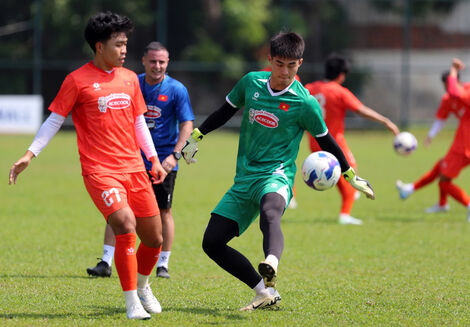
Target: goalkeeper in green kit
x,y
278,109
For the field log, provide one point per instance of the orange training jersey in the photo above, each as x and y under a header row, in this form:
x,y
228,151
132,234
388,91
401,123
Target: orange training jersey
x,y
334,100
104,106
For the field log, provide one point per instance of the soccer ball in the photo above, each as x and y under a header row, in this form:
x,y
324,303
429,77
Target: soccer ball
x,y
405,143
321,170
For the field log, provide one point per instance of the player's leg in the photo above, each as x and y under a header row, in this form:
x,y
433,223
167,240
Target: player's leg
x,y
110,196
103,268
348,193
164,195
451,166
219,232
406,189
271,209
149,229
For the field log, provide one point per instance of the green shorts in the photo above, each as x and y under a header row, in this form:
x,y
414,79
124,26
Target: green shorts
x,y
242,201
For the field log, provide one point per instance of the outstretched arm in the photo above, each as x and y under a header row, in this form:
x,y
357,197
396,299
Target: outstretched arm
x,y
371,114
44,135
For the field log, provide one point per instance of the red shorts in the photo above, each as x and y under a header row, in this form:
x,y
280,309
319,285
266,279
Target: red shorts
x,y
111,192
453,163
342,144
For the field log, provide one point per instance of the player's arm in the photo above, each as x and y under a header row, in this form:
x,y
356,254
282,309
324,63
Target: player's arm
x,y
371,114
453,88
328,143
145,142
214,121
46,132
434,130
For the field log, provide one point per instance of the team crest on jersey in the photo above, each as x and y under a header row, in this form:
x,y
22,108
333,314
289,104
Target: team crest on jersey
x,y
264,118
153,112
114,101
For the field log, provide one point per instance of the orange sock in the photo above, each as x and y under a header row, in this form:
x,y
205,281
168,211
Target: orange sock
x,y
428,177
126,261
347,195
455,192
147,258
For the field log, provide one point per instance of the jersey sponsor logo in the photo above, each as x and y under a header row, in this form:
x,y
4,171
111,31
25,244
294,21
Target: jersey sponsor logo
x,y
284,106
163,98
255,96
153,112
114,101
96,86
264,118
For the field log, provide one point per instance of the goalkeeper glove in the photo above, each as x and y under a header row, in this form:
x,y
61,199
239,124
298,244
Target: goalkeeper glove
x,y
190,148
359,183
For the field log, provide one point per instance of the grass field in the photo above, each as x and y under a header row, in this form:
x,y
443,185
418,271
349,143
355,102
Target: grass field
x,y
401,268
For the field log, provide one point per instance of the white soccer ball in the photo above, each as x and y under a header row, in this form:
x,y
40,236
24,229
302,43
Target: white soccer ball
x,y
405,143
321,170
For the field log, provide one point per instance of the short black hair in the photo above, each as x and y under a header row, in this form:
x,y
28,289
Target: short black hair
x,y
104,25
156,46
336,64
287,45
446,74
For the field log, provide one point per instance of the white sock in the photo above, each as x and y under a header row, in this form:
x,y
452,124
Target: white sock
x,y
409,188
163,259
108,254
260,287
273,260
142,280
131,297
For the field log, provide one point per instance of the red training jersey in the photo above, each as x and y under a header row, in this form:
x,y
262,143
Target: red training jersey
x,y
335,100
457,107
104,106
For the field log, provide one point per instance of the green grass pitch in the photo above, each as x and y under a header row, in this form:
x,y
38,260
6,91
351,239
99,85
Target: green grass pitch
x,y
401,268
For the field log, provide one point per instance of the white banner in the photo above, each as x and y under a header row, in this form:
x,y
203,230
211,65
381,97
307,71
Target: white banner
x,y
20,113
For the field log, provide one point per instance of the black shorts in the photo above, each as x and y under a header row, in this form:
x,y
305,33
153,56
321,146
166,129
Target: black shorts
x,y
164,191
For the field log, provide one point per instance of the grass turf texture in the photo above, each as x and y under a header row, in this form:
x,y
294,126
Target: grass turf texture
x,y
401,268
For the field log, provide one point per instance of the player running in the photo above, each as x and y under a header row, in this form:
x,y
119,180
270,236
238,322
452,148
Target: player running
x,y
335,100
449,106
107,109
170,121
278,109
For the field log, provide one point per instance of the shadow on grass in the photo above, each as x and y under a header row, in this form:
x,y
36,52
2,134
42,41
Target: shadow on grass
x,y
46,276
211,312
99,312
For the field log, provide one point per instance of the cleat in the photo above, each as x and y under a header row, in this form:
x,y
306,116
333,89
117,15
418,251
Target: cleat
x,y
348,220
438,208
148,300
102,269
163,272
405,190
264,301
268,272
137,311
468,216
293,204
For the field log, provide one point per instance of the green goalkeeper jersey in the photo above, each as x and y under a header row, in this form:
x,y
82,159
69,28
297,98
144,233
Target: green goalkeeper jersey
x,y
272,126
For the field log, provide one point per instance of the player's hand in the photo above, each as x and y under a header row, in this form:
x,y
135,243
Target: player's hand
x,y
358,183
169,163
427,141
190,148
19,166
457,64
157,171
